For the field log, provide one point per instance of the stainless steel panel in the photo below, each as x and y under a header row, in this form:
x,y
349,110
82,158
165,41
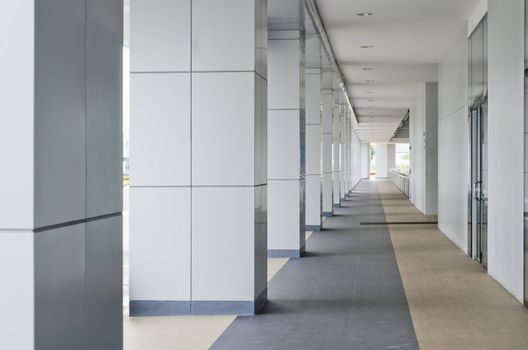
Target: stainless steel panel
x,y
104,80
59,289
104,284
59,111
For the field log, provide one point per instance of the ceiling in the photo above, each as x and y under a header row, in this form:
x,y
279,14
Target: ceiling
x,y
408,39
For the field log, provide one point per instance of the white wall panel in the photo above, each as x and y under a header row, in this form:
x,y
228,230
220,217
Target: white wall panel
x,y
283,81
160,35
160,147
16,114
223,262
160,241
284,210
223,128
506,144
382,161
17,301
453,142
220,45
284,150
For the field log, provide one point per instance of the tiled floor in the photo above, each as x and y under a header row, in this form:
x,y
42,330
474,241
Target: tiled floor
x,y
349,293
345,294
454,303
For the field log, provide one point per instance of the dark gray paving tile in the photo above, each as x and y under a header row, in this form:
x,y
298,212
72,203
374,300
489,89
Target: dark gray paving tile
x,y
346,293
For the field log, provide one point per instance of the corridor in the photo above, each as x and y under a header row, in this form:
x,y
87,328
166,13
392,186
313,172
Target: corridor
x,y
361,283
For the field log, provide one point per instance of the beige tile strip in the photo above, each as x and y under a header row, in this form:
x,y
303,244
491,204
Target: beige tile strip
x,y
181,332
454,304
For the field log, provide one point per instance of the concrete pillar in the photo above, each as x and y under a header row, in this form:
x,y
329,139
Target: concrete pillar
x,y
313,133
365,161
342,138
348,170
391,156
336,139
286,144
327,143
61,178
198,157
382,161
356,159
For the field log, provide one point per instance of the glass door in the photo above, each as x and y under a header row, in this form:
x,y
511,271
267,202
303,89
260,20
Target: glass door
x,y
479,180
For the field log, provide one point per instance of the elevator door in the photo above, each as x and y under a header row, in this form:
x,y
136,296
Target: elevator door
x,y
479,180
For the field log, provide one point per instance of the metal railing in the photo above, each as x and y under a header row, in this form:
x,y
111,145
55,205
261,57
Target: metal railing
x,y
401,180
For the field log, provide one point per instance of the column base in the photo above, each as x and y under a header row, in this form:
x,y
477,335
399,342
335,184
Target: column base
x,y
286,253
205,307
328,214
314,228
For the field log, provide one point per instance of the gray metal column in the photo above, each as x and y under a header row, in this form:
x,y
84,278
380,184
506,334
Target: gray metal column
x,y
61,178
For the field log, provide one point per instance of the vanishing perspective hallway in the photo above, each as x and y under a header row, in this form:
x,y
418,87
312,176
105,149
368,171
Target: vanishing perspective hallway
x,y
346,293
362,280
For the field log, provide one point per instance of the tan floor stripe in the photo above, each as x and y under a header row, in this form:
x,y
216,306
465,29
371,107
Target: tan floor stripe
x,y
454,303
181,332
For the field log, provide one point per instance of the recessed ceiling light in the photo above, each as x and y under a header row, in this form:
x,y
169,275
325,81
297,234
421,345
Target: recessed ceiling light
x,y
366,46
368,68
364,14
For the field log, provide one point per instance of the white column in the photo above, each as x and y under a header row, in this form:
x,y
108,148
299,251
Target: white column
x,y
61,178
343,149
336,139
347,150
313,133
391,156
198,157
356,159
365,161
286,143
327,143
382,161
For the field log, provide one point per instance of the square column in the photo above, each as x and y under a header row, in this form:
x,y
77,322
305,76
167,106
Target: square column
x,y
327,97
313,133
342,159
391,156
346,153
198,157
382,170
365,161
286,144
61,179
337,147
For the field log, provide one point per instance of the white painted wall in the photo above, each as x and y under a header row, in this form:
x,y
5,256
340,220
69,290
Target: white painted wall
x,y
506,143
453,141
382,166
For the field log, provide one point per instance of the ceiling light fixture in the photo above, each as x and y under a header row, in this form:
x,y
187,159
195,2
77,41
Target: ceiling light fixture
x,y
366,46
368,68
364,14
